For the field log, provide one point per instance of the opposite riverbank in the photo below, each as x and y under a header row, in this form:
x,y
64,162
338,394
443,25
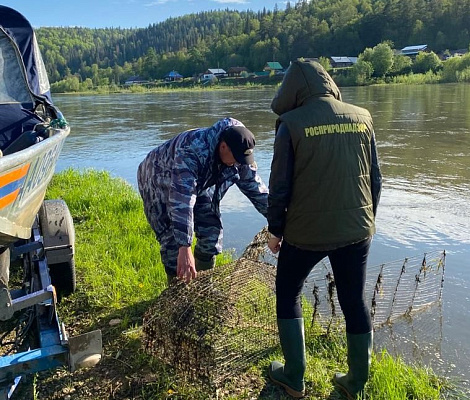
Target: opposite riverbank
x,y
119,276
371,69
234,84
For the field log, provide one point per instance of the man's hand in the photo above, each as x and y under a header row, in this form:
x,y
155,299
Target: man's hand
x,y
274,244
185,268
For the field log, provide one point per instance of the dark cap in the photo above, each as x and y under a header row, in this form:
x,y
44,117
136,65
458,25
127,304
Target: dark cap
x,y
241,142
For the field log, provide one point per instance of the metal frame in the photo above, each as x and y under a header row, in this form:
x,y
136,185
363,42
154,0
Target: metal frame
x,y
55,349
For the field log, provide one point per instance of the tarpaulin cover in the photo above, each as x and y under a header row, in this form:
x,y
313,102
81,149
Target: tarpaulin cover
x,y
21,33
23,77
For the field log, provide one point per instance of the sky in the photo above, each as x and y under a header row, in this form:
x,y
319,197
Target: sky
x,y
124,13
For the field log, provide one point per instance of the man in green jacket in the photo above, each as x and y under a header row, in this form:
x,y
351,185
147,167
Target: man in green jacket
x,y
324,190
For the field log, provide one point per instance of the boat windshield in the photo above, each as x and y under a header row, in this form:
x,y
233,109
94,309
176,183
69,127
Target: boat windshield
x,y
41,68
13,86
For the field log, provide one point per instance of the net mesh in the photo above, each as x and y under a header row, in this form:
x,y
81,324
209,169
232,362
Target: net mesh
x,y
224,321
393,290
215,327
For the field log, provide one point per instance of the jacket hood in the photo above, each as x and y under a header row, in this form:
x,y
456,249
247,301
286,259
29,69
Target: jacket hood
x,y
303,80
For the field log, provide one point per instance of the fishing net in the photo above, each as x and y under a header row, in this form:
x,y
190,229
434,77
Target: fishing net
x,y
225,320
217,326
393,290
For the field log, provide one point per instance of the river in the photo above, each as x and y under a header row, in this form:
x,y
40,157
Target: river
x,y
423,139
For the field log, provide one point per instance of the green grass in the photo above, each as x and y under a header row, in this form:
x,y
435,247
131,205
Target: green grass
x,y
119,273
188,86
416,79
117,256
398,381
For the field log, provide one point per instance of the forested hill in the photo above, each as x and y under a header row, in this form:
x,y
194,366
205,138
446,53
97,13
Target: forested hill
x,y
195,42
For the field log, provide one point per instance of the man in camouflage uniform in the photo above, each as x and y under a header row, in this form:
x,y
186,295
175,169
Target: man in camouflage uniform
x,y
182,183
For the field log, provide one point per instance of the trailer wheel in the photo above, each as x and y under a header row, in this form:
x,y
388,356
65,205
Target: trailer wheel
x,y
63,278
59,240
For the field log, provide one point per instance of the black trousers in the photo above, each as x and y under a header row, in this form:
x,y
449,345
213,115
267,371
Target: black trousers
x,y
349,270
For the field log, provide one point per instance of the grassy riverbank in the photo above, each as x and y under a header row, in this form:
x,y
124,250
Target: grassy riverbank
x,y
119,275
187,84
342,80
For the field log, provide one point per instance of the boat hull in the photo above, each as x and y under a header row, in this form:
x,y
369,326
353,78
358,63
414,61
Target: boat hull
x,y
24,177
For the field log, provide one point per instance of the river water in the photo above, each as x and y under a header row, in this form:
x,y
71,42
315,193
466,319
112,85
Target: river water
x,y
423,139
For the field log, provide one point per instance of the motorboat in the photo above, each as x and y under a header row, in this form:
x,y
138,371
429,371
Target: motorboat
x,y
35,234
32,129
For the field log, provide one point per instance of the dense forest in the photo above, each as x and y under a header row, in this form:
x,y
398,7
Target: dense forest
x,y
220,39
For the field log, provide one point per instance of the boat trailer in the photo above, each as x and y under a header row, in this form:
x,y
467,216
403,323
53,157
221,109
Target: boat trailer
x,y
41,341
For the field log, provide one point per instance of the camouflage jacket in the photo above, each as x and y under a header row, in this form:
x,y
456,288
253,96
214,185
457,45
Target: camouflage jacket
x,y
188,166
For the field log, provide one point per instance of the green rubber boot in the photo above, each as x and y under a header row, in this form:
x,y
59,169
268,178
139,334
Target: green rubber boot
x,y
291,374
359,355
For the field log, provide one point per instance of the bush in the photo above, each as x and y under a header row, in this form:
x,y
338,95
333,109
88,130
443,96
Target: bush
x,y
450,68
380,57
417,79
425,62
453,67
69,84
463,76
362,71
401,65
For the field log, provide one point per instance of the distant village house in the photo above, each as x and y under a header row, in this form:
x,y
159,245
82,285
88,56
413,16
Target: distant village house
x,y
453,53
341,62
217,72
135,80
236,71
310,59
412,51
273,66
173,76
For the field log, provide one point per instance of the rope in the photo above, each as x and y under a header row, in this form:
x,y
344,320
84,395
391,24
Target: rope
x,y
60,123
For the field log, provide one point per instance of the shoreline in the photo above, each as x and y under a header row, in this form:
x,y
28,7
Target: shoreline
x,y
411,79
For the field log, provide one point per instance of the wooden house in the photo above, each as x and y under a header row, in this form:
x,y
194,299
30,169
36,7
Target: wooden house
x,y
343,61
412,51
236,71
135,80
173,76
217,72
273,66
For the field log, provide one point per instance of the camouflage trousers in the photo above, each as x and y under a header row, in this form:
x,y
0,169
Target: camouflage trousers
x,y
207,220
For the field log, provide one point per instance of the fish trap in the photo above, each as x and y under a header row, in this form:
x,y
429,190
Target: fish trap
x,y
394,290
224,321
217,326
404,298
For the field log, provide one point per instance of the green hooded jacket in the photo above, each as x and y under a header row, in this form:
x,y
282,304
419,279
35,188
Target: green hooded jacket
x,y
328,196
